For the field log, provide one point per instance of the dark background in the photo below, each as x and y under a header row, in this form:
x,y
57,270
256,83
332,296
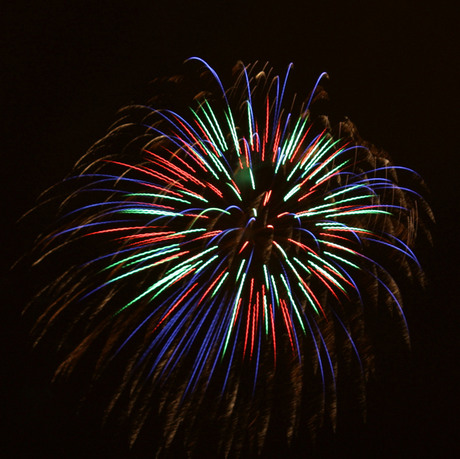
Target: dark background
x,y
394,70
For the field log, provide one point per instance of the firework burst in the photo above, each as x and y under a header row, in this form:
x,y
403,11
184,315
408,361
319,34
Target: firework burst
x,y
224,258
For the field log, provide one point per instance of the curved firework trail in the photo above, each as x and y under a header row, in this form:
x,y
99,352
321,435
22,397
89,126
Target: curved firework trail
x,y
224,257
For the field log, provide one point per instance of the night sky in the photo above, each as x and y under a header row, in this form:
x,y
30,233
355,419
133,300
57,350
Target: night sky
x,y
67,67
